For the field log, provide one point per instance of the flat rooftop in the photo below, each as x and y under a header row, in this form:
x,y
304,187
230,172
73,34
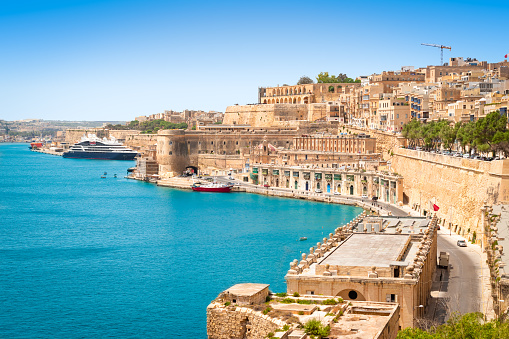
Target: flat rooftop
x,y
246,290
380,250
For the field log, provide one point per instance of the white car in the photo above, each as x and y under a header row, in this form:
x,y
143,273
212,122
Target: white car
x,y
337,193
364,196
317,190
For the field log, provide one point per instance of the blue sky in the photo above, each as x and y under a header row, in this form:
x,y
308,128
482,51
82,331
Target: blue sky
x,y
114,60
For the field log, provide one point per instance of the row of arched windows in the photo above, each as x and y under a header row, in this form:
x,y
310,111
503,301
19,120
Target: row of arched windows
x,y
304,100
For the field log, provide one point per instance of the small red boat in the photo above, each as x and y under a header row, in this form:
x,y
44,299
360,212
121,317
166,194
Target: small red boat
x,y
213,187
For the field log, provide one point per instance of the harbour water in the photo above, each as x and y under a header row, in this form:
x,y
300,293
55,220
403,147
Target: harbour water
x,y
82,256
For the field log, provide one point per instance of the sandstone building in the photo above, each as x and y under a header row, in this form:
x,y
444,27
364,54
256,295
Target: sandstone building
x,y
356,182
372,258
240,312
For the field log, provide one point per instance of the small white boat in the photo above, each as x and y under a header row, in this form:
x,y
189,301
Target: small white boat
x,y
303,238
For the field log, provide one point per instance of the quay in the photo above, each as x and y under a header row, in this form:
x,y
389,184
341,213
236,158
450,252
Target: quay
x,y
47,151
378,207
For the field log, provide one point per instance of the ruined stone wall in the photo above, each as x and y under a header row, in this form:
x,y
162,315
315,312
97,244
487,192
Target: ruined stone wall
x,y
239,323
460,187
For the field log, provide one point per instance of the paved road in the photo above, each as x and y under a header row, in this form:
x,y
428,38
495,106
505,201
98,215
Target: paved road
x,y
458,289
385,206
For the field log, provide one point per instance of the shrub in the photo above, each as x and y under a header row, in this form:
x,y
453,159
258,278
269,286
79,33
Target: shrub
x,y
340,300
287,301
227,303
296,294
286,327
270,334
315,327
267,310
330,302
284,294
301,312
305,302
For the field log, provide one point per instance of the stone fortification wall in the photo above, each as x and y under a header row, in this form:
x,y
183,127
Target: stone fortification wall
x,y
264,115
73,135
385,142
239,323
141,142
177,149
122,135
460,187
210,162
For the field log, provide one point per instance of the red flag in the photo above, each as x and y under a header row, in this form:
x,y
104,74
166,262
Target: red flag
x,y
505,56
435,208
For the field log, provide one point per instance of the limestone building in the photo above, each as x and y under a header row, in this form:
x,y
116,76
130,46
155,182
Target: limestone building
x,y
345,181
360,144
377,259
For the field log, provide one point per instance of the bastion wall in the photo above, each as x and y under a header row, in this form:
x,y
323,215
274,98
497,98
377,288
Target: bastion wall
x,y
460,187
271,115
177,149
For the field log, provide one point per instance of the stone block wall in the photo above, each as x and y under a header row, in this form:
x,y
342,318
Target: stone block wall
x,y
264,115
460,187
239,323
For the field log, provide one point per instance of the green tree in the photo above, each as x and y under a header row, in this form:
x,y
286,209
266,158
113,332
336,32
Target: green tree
x,y
486,129
305,80
447,134
325,78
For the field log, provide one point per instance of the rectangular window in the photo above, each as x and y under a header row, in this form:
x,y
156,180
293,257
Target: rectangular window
x,y
391,298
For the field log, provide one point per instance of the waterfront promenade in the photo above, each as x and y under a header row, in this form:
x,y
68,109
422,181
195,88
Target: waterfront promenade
x,y
381,208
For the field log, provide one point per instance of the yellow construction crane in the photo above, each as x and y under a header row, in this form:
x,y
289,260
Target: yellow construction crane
x,y
442,47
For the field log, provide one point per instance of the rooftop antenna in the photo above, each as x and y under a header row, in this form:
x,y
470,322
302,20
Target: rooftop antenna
x,y
442,47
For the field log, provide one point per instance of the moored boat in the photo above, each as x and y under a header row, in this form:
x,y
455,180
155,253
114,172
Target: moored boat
x,y
92,147
212,187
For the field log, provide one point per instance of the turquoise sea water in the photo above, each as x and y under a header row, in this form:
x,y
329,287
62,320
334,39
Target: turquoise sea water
x,y
84,257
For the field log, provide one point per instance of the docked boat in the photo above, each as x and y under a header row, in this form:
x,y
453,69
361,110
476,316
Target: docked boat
x,y
92,147
212,187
